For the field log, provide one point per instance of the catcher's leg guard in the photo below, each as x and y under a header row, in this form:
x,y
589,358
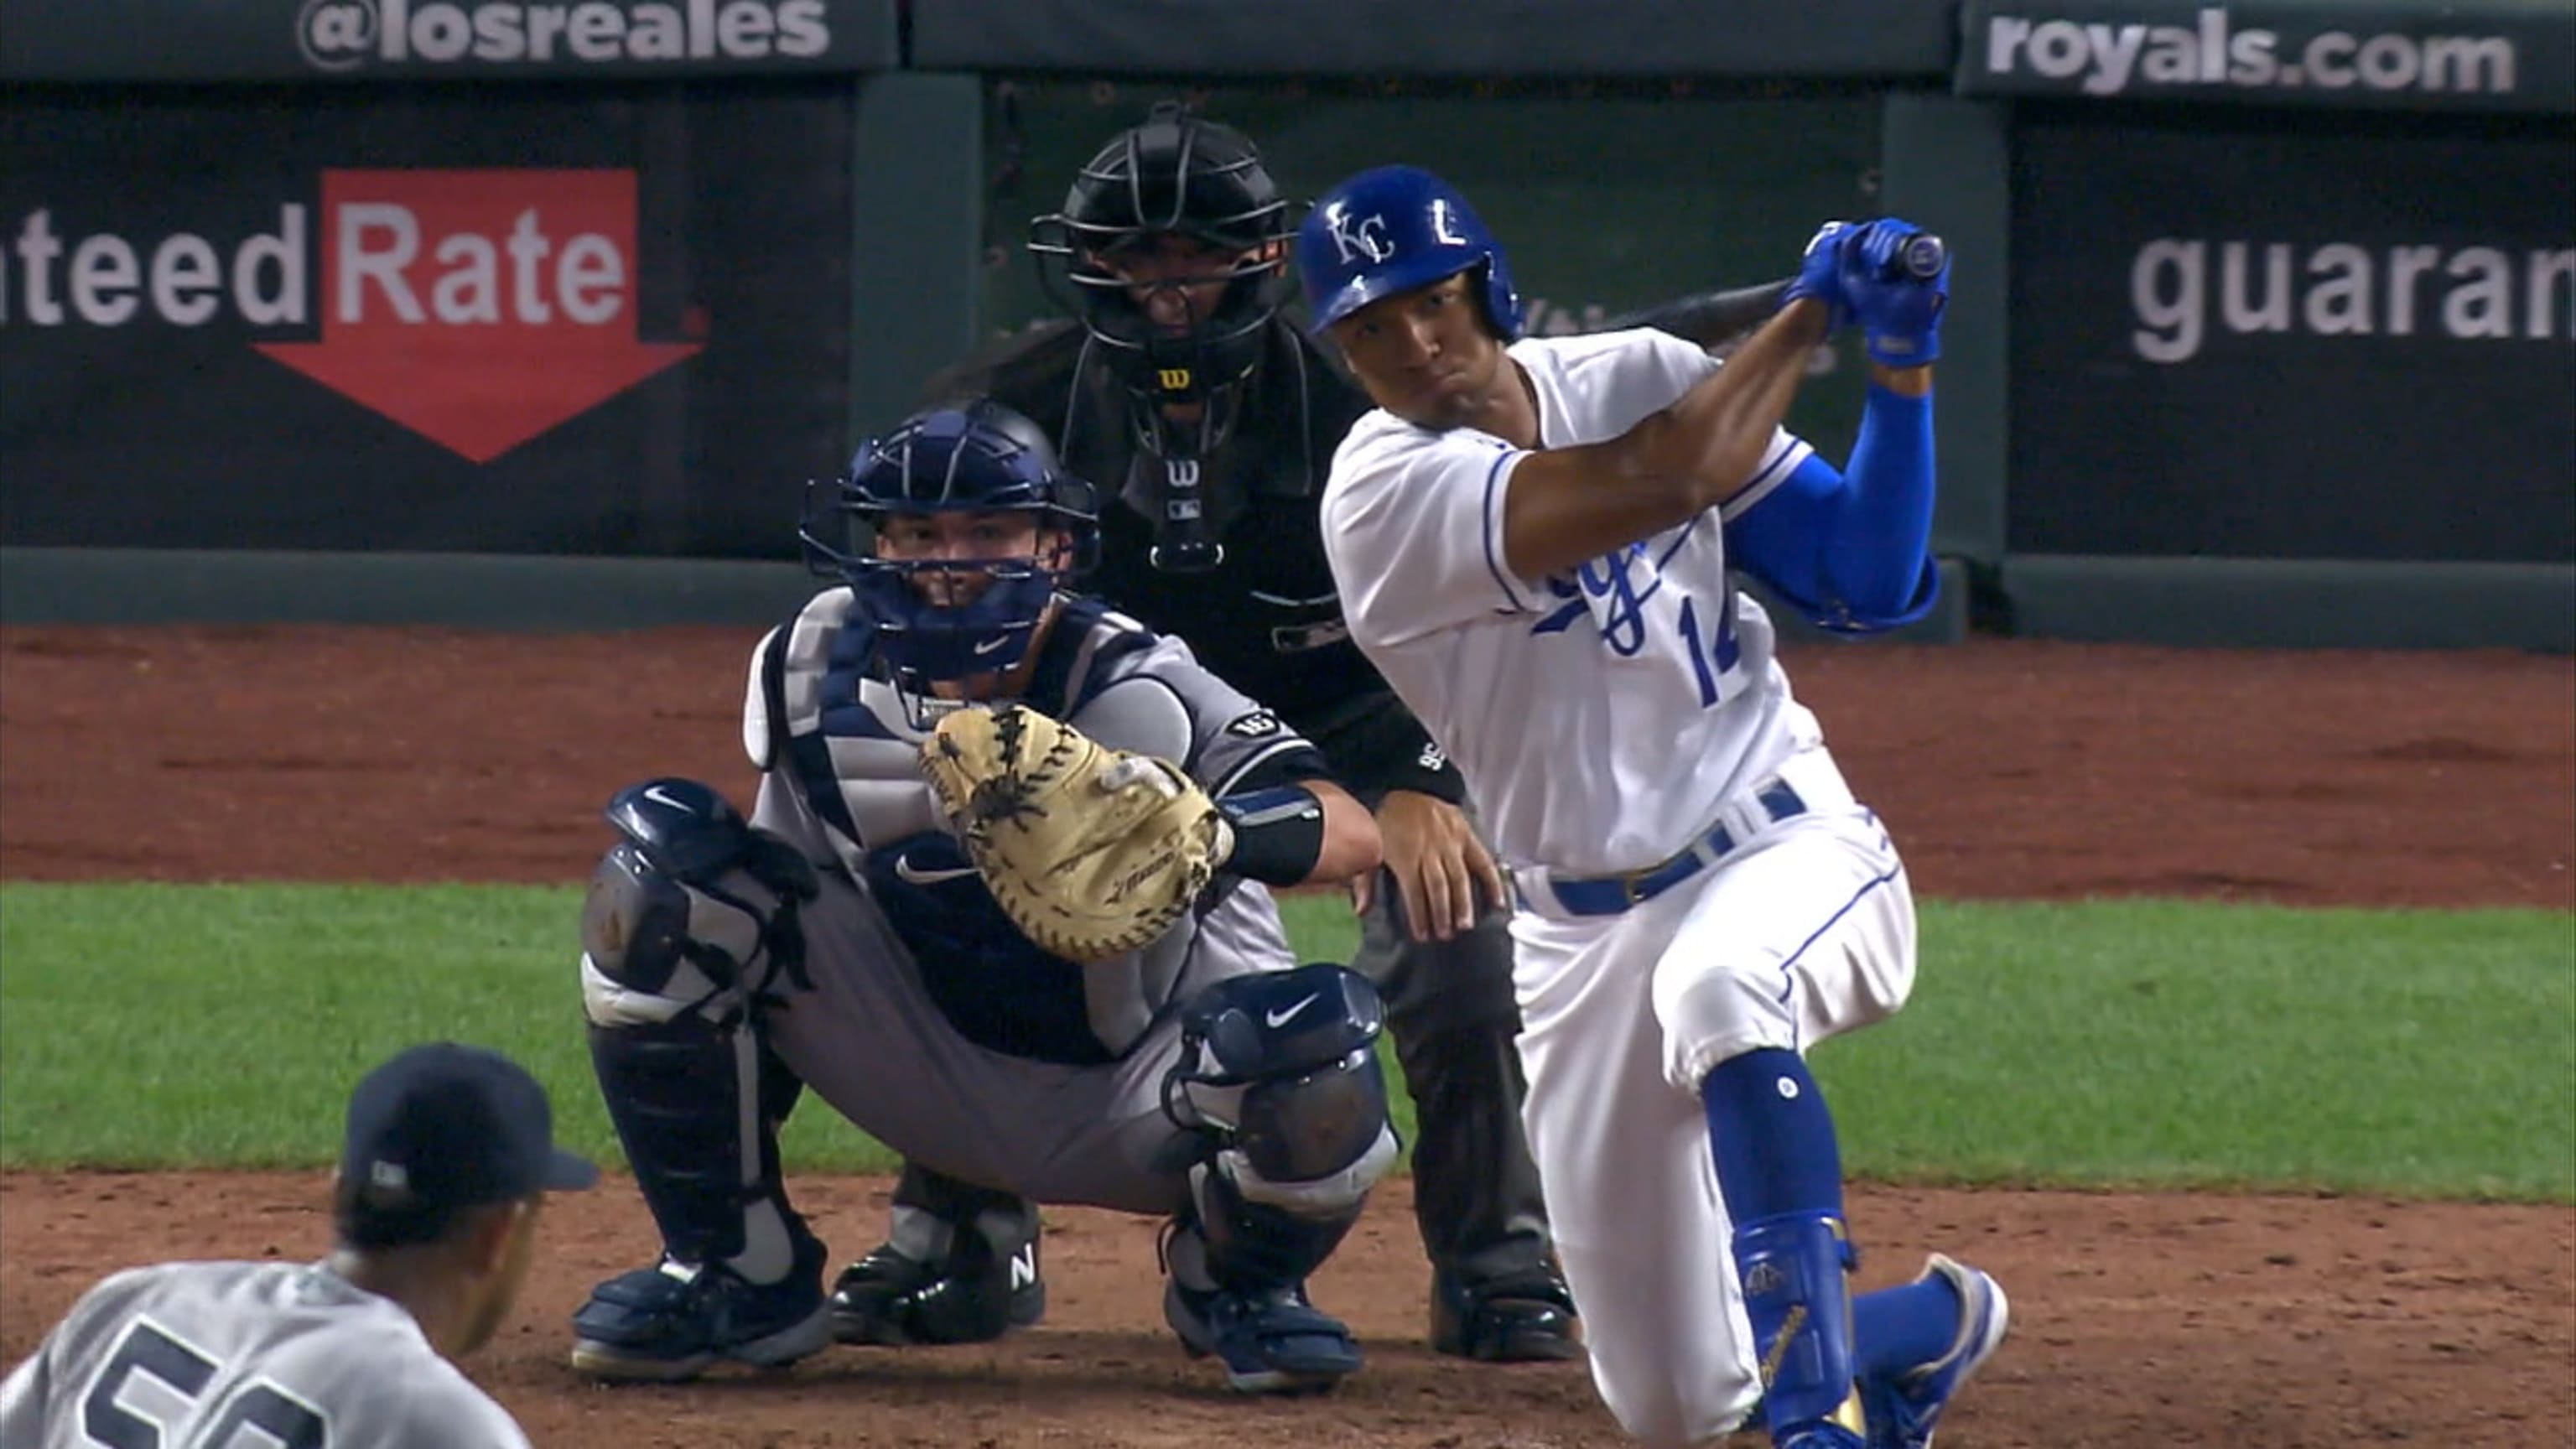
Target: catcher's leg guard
x,y
742,1276
961,1266
1238,1289
667,983
1279,1072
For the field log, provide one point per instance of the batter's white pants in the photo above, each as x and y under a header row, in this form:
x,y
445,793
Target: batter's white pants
x,y
1804,931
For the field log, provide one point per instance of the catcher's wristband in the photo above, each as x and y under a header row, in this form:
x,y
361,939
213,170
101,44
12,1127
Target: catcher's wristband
x,y
1278,834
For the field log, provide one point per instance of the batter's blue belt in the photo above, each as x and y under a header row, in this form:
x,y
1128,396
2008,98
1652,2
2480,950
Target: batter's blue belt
x,y
1608,895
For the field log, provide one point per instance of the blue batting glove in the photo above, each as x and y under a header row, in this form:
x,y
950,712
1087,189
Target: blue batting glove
x,y
1820,275
1899,311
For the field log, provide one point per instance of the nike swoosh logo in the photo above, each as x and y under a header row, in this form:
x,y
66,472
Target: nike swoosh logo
x,y
904,868
989,645
656,794
1282,1017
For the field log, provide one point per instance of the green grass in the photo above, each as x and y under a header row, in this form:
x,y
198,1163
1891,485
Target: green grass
x,y
2135,1044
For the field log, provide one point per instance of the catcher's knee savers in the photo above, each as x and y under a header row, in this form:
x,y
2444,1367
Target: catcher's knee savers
x,y
1282,1067
692,906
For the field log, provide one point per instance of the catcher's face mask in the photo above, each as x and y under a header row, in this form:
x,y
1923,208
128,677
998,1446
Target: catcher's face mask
x,y
954,531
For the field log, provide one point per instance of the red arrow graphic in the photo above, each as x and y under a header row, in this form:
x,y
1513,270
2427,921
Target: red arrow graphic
x,y
478,308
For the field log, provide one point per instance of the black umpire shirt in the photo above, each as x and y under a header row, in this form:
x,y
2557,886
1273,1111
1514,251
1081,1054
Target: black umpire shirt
x,y
1267,619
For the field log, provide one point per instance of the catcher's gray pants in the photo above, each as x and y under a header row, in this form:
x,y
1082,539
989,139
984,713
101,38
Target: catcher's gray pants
x,y
869,1040
1451,1011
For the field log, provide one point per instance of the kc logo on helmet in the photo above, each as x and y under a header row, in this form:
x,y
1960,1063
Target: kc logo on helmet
x,y
1365,237
339,35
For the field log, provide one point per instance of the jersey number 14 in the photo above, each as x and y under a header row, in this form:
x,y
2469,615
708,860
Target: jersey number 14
x,y
1715,659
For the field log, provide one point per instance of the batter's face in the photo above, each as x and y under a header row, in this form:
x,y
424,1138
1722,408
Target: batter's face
x,y
1176,281
1426,355
1003,535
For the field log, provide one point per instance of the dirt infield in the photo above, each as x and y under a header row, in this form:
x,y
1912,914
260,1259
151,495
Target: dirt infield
x,y
2007,769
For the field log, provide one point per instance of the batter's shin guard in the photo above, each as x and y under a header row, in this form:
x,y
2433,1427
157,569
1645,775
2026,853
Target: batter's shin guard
x,y
679,1094
1797,1293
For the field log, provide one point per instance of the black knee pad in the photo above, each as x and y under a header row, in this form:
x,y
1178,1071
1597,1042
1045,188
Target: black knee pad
x,y
1283,1067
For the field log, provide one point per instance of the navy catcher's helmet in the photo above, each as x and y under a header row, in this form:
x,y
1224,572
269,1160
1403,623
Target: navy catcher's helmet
x,y
1391,230
975,457
1176,173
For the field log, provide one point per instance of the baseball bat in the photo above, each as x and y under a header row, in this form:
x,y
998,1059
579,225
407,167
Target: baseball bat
x,y
1708,318
1923,256
1711,317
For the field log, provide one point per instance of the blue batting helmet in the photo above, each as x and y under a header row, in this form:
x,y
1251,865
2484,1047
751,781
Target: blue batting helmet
x,y
975,457
1391,230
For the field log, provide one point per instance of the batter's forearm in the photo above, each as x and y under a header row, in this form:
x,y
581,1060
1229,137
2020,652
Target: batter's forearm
x,y
1724,425
1566,505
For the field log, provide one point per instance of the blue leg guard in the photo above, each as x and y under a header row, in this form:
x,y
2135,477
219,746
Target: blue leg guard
x,y
1237,1289
1798,1298
1279,1090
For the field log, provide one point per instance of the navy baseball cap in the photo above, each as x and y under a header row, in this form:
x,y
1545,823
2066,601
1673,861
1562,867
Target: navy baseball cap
x,y
445,1126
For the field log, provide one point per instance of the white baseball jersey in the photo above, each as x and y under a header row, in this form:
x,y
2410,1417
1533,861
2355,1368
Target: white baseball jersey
x,y
1608,719
244,1356
1599,716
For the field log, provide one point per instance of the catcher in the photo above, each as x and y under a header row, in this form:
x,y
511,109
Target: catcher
x,y
1039,957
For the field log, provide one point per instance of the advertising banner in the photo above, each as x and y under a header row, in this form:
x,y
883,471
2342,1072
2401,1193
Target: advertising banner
x,y
359,40
454,319
2503,55
2265,341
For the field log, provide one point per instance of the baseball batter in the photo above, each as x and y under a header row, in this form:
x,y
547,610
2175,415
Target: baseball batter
x,y
1533,539
844,935
449,1155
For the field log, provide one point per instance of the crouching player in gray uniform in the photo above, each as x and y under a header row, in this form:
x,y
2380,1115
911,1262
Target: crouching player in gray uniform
x,y
841,940
450,1153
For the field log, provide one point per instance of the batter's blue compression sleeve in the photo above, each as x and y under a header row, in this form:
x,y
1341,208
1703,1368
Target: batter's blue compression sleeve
x,y
1852,548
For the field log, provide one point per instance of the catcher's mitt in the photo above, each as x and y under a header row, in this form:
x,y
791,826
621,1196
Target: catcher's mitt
x,y
1092,852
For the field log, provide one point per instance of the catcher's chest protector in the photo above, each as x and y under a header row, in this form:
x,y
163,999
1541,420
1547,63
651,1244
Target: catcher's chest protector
x,y
841,735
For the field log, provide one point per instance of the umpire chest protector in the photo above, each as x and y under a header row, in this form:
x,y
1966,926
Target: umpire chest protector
x,y
1266,618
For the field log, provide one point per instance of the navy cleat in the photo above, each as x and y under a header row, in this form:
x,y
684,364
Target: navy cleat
x,y
672,1322
1272,1342
1518,1318
1904,1410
